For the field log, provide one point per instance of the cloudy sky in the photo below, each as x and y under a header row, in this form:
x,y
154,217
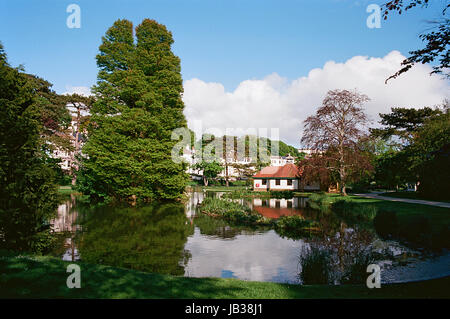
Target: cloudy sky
x,y
245,64
276,102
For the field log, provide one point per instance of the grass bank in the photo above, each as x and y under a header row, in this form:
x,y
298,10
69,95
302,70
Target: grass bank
x,y
438,216
215,188
67,190
45,277
419,225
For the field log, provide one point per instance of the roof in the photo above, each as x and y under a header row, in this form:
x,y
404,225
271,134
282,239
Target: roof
x,y
286,171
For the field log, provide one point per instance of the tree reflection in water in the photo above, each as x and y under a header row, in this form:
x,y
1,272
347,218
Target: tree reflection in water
x,y
150,238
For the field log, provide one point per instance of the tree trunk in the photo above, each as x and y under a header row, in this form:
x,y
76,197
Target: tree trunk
x,y
226,174
344,191
342,177
77,146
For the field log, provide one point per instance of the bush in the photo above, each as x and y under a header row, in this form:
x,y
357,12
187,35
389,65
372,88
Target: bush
x,y
282,194
294,227
232,211
316,267
416,230
356,273
239,183
386,224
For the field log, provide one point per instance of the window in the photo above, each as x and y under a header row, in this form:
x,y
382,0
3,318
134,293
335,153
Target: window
x,y
289,182
277,182
264,181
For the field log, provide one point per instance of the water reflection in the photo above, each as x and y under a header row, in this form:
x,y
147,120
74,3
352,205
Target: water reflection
x,y
260,257
275,208
65,222
177,239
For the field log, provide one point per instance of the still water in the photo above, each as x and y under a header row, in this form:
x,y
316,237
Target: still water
x,y
177,239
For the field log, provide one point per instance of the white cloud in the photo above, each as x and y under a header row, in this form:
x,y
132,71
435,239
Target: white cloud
x,y
275,102
81,90
245,257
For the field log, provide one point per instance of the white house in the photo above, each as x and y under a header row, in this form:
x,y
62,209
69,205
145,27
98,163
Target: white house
x,y
281,160
286,177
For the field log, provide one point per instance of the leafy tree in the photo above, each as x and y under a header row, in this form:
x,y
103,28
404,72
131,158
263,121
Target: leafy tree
x,y
436,41
244,170
335,133
403,122
429,157
210,170
409,133
54,116
285,150
81,106
391,169
28,194
138,105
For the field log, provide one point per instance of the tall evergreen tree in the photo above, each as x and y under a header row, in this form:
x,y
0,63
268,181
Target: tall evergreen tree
x,y
28,195
138,92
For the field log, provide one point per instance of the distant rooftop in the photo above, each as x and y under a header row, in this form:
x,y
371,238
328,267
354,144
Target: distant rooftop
x,y
286,171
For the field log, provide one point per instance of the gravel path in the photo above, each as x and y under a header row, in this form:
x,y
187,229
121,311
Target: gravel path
x,y
405,200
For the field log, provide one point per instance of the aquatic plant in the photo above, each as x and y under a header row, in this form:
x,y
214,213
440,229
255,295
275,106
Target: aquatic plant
x,y
320,201
316,265
232,211
295,227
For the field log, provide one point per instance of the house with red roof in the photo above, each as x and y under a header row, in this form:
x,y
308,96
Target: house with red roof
x,y
286,177
280,178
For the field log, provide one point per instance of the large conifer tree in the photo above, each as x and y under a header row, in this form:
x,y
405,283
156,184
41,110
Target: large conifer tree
x,y
139,87
28,193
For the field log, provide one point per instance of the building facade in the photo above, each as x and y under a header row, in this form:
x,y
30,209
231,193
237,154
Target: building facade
x,y
279,178
286,177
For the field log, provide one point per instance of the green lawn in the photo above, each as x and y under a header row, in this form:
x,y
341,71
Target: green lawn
x,y
223,188
66,190
438,217
45,277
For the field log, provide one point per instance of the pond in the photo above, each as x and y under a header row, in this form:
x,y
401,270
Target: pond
x,y
177,239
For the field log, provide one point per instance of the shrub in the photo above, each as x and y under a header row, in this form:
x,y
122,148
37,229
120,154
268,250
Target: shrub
x,y
316,267
356,272
239,183
294,227
232,211
386,224
416,230
282,194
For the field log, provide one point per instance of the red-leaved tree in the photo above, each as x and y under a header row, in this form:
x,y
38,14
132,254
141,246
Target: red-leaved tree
x,y
335,133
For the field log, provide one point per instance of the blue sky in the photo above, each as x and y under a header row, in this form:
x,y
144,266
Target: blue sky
x,y
217,40
245,63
